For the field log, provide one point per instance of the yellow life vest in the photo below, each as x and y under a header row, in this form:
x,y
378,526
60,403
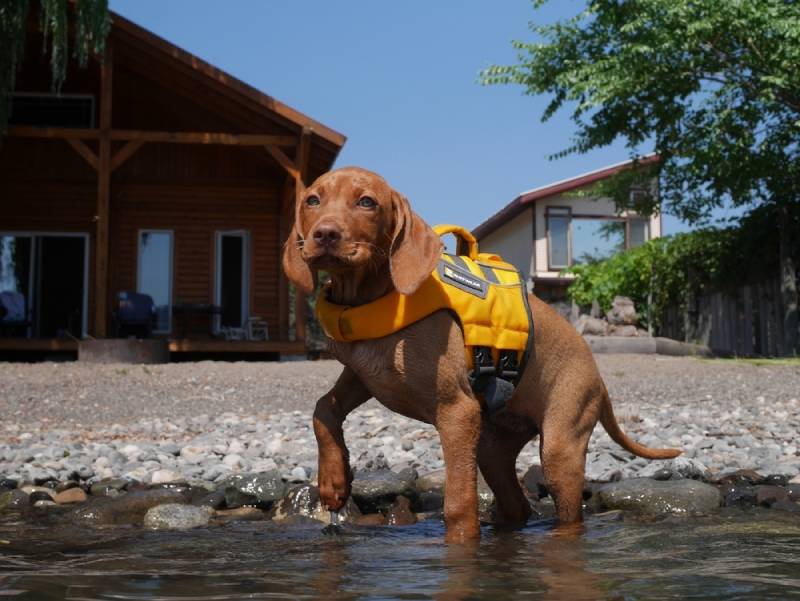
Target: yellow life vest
x,y
488,295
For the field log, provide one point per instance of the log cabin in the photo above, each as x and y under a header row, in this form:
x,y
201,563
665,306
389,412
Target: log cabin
x,y
151,172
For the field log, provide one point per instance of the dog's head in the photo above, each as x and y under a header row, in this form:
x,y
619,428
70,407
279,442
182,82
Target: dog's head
x,y
351,220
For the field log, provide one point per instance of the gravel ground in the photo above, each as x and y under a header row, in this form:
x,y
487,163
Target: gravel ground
x,y
207,420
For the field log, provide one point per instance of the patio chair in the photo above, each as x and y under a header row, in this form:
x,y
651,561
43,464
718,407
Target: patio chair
x,y
135,315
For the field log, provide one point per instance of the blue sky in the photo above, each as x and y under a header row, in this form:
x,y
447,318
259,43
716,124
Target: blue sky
x,y
400,80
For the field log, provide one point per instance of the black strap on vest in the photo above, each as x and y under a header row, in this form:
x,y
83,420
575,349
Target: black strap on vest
x,y
495,382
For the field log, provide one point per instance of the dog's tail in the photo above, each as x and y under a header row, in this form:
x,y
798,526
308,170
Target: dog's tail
x,y
611,426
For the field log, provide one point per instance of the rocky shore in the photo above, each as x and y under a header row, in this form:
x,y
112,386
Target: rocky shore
x,y
182,445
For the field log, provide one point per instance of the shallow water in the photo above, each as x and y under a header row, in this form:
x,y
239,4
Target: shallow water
x,y
732,555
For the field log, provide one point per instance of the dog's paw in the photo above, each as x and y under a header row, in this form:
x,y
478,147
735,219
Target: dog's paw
x,y
333,492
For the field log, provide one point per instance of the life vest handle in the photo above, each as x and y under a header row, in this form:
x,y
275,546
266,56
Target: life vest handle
x,y
466,245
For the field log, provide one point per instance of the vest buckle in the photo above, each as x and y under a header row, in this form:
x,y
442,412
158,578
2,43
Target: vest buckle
x,y
508,368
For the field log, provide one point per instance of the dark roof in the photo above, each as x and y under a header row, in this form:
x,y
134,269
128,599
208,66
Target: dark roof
x,y
519,204
219,77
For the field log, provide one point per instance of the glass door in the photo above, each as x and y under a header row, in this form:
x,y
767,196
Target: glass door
x,y
232,279
155,274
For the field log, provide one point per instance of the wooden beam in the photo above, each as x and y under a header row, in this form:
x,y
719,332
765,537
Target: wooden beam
x,y
188,137
82,149
174,137
103,196
303,154
284,160
124,153
65,133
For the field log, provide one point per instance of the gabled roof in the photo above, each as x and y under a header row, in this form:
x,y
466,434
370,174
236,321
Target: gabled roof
x,y
217,77
516,206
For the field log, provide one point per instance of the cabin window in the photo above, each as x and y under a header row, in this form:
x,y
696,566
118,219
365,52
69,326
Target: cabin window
x,y
232,279
575,239
595,239
155,274
558,219
52,110
639,232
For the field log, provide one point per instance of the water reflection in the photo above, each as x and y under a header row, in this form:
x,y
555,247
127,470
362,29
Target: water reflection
x,y
731,555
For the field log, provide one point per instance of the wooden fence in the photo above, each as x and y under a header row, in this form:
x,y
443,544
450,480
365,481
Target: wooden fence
x,y
748,322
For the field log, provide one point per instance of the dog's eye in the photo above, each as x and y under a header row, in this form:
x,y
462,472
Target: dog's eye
x,y
367,202
312,201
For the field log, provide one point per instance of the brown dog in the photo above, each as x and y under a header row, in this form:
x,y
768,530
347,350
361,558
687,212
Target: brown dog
x,y
353,225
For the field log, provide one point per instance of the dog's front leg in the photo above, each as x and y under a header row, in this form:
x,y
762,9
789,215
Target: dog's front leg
x,y
335,476
458,422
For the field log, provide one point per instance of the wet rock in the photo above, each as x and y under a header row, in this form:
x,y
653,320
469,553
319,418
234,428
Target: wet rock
x,y
767,495
776,480
110,487
652,497
740,477
7,484
375,490
251,489
789,506
214,499
303,500
41,492
739,496
13,499
663,474
69,496
241,514
400,514
172,516
430,491
125,509
534,482
62,486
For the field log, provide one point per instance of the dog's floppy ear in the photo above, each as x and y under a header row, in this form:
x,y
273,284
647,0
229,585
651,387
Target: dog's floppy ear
x,y
415,248
296,269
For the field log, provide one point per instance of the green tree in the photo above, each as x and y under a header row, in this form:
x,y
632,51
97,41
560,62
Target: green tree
x,y
712,85
90,26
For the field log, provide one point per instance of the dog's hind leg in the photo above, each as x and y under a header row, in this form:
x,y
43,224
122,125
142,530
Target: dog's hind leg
x,y
562,447
498,448
335,476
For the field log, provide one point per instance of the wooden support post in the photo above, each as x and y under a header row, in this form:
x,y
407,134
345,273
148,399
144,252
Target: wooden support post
x,y
285,219
103,197
82,149
303,152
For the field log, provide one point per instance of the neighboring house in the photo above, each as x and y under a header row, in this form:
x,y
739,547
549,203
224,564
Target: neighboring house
x,y
547,229
153,172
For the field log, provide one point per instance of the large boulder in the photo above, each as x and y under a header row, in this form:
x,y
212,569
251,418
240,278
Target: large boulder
x,y
622,312
376,490
253,489
656,497
591,326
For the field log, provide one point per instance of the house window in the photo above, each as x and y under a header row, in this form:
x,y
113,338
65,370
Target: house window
x,y
595,239
575,239
638,232
558,219
52,110
155,274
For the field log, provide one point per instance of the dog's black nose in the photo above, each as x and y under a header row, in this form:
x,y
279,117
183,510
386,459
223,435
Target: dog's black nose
x,y
327,234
